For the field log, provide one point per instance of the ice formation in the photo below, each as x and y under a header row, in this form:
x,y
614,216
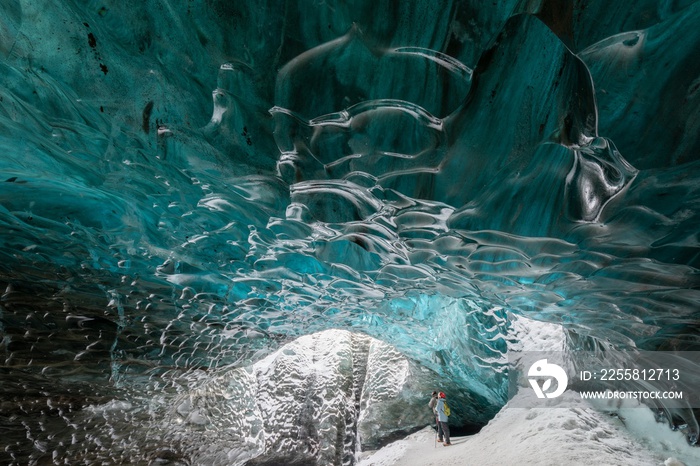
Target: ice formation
x,y
186,187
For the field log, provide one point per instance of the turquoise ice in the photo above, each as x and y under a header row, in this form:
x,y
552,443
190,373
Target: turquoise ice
x,y
186,186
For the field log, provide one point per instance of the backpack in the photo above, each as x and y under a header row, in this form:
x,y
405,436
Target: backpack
x,y
446,408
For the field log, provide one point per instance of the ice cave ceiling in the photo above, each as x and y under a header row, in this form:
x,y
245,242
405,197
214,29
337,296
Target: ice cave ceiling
x,y
188,185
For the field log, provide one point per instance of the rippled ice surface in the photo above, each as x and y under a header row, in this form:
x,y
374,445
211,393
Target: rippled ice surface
x,y
187,187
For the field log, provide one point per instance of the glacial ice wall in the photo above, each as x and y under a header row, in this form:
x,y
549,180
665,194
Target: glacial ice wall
x,y
312,401
187,186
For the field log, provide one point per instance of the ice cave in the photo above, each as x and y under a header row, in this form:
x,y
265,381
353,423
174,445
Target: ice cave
x,y
262,232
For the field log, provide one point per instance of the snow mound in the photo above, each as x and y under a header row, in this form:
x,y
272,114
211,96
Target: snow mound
x,y
567,431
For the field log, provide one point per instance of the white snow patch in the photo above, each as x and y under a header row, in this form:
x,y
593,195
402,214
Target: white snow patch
x,y
565,431
673,462
568,431
657,436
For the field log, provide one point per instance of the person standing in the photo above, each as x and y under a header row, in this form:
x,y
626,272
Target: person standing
x,y
433,405
442,417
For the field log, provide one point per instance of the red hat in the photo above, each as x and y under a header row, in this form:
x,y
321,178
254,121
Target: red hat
x,y
441,395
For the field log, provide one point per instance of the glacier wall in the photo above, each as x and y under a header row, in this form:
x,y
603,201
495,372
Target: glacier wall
x,y
312,401
185,187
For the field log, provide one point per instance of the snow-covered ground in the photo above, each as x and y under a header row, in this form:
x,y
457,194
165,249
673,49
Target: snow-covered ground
x,y
566,431
569,431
